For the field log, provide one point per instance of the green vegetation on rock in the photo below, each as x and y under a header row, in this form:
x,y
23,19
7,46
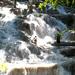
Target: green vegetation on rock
x,y
56,3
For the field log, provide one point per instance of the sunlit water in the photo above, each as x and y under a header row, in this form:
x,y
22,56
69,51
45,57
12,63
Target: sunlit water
x,y
29,41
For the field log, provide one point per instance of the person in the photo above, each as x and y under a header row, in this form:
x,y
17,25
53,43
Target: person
x,y
34,41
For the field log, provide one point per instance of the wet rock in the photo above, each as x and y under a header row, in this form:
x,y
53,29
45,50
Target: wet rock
x,y
1,3
63,43
34,49
16,11
1,16
72,36
17,71
69,10
52,12
26,27
6,3
35,69
70,66
25,13
14,52
69,52
23,26
23,37
66,19
30,7
54,22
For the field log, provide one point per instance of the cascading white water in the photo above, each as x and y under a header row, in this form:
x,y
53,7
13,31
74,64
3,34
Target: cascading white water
x,y
29,41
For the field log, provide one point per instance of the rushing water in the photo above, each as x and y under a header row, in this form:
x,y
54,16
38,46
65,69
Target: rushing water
x,y
29,41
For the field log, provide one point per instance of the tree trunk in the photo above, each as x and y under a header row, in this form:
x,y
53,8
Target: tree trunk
x,y
14,3
58,38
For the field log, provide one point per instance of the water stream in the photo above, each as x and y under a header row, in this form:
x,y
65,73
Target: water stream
x,y
28,41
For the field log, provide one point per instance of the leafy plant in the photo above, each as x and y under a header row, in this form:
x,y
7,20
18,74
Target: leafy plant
x,y
53,3
69,3
42,6
56,3
59,35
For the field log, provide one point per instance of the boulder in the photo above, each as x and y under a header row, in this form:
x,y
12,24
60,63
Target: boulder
x,y
70,66
69,52
35,69
66,19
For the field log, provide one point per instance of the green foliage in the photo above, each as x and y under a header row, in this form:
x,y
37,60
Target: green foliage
x,y
56,3
42,6
61,33
69,3
58,37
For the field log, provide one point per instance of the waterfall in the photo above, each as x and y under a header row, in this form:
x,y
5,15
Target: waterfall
x,y
29,41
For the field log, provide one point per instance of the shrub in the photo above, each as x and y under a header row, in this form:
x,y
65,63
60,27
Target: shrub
x,y
56,3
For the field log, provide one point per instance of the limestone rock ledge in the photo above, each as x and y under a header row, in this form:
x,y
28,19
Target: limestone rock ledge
x,y
34,69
